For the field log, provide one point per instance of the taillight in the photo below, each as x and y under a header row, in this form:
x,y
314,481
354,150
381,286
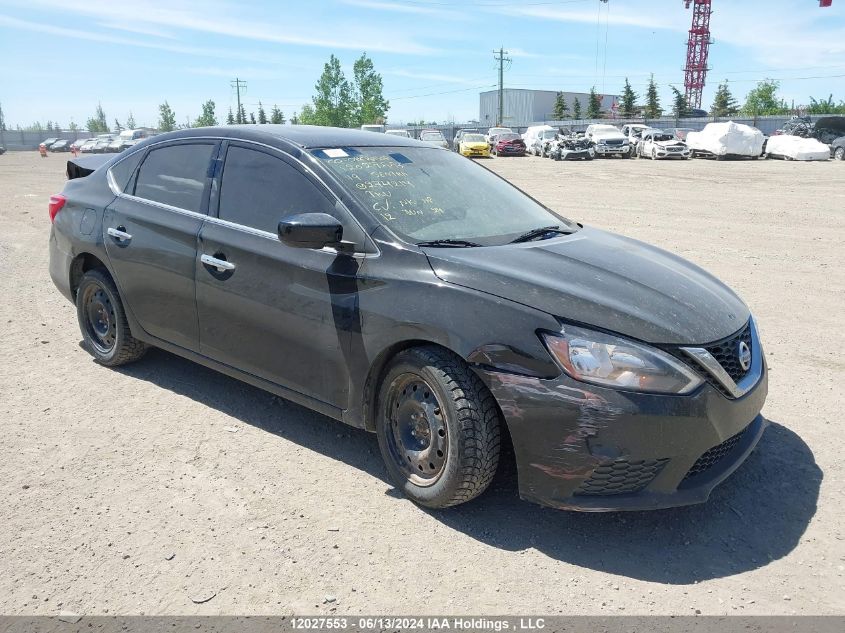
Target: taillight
x,y
57,201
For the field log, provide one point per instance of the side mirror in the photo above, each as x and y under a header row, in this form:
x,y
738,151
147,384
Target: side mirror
x,y
310,230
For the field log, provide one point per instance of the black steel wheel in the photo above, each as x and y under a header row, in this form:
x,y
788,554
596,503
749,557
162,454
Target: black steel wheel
x,y
438,428
102,321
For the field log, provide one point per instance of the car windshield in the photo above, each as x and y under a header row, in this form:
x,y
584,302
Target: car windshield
x,y
422,194
498,130
473,138
663,137
508,137
431,136
549,134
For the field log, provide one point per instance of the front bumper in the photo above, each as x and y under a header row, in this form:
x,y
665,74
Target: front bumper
x,y
667,154
475,152
588,448
612,150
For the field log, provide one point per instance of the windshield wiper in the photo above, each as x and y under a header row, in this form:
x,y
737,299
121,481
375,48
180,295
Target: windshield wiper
x,y
448,242
533,234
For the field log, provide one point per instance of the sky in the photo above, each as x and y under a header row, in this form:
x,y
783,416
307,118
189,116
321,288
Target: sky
x,y
59,58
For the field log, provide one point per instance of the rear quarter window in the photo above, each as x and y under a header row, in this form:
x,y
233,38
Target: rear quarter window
x,y
175,175
123,171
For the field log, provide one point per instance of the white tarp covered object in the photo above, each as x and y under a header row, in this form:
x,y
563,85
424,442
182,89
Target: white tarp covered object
x,y
797,148
727,139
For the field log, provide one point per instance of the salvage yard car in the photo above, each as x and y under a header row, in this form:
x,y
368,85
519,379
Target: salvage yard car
x,y
473,146
508,144
434,138
656,144
571,147
608,140
626,378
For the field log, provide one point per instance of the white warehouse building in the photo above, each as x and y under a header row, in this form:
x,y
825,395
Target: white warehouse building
x,y
523,107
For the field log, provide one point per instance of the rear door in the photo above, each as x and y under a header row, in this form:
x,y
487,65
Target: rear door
x,y
277,312
150,234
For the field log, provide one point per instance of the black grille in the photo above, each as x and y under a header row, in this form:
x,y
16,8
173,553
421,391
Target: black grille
x,y
714,455
621,477
727,352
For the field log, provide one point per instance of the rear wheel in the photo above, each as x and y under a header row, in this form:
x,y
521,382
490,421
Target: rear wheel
x,y
839,154
103,323
438,428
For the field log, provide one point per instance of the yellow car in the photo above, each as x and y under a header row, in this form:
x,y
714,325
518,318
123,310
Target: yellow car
x,y
474,145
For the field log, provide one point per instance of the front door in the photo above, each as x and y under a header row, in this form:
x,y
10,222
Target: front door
x,y
264,307
150,233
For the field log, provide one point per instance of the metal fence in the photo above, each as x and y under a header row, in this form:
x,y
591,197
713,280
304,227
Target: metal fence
x,y
28,139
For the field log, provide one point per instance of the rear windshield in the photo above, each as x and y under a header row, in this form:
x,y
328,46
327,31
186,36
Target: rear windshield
x,y
421,193
473,138
431,136
508,137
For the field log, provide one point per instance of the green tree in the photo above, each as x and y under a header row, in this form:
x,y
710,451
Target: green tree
x,y
371,106
576,109
593,104
652,101
2,120
49,126
561,107
130,121
825,106
307,116
117,126
724,103
166,118
73,127
295,119
763,99
262,115
629,100
97,124
680,107
277,116
240,117
230,118
208,117
252,118
333,101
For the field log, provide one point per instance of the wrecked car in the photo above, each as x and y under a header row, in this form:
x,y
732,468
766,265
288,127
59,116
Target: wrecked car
x,y
657,144
402,289
608,141
790,147
726,140
571,147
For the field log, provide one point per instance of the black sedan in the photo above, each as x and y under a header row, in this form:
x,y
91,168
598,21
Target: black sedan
x,y
399,288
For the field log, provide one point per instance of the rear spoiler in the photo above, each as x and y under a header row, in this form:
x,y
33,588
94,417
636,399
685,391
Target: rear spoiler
x,y
82,166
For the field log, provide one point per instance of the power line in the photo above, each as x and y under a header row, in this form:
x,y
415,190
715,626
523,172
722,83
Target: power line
x,y
447,92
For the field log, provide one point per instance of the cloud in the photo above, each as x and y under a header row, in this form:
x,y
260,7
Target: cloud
x,y
384,5
644,17
221,19
140,30
435,77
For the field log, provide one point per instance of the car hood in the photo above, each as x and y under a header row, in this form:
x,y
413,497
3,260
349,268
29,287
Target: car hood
x,y
609,136
669,143
604,280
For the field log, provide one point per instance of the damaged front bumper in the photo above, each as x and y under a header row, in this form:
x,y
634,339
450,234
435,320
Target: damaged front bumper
x,y
588,448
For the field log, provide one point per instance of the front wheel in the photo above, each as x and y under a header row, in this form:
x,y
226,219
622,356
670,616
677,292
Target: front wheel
x,y
438,428
839,154
103,323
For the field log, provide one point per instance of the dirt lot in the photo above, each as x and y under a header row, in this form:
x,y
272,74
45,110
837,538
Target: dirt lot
x,y
163,484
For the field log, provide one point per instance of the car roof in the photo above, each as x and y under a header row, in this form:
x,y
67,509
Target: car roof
x,y
304,136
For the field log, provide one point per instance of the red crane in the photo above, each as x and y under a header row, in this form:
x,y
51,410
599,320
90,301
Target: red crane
x,y
698,46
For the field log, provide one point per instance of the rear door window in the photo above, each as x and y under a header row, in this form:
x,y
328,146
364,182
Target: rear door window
x,y
175,175
258,190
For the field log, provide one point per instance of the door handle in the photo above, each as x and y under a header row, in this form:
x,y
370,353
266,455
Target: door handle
x,y
220,264
119,234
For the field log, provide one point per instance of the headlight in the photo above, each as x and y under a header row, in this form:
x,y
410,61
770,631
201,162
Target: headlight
x,y
612,361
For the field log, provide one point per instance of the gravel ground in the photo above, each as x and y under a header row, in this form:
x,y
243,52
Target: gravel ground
x,y
166,488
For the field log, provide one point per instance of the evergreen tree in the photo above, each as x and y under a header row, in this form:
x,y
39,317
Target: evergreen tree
x,y
117,127
252,118
49,126
208,117
594,105
241,115
294,119
561,107
277,116
73,127
166,118
652,101
370,104
230,118
629,100
130,121
97,124
576,109
680,107
333,102
2,120
262,116
724,103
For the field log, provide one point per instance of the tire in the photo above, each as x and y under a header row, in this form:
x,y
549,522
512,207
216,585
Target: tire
x,y
839,153
437,460
102,321
653,154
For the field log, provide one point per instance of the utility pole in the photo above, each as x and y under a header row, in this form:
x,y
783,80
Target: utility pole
x,y
237,84
500,57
